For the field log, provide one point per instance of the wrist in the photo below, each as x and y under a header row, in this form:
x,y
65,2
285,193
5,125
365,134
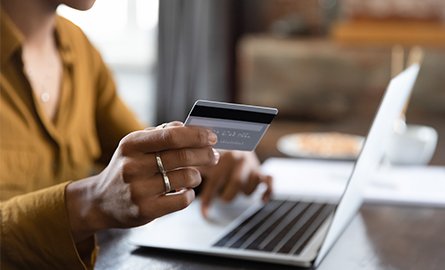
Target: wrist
x,y
82,211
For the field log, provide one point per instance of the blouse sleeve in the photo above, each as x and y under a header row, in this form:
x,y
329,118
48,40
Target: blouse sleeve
x,y
35,233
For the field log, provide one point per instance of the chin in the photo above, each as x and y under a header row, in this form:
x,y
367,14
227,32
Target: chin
x,y
79,4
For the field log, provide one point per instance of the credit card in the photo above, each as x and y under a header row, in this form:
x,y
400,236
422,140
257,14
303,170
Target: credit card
x,y
238,126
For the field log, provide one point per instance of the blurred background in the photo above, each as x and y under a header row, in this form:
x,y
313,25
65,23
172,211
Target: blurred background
x,y
126,34
323,63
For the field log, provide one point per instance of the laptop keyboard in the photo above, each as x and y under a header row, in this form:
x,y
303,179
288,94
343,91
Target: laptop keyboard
x,y
280,226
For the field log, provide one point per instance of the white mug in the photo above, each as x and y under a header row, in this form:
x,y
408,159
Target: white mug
x,y
412,145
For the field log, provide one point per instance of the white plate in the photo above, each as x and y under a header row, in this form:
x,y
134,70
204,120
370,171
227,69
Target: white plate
x,y
325,145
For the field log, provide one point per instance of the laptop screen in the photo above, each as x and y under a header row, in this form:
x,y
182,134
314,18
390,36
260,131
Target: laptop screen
x,y
387,117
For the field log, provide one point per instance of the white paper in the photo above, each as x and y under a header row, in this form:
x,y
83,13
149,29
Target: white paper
x,y
419,185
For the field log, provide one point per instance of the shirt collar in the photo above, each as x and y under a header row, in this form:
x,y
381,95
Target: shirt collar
x,y
64,41
11,37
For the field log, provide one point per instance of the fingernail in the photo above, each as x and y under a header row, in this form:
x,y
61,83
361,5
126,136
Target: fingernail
x,y
217,155
212,138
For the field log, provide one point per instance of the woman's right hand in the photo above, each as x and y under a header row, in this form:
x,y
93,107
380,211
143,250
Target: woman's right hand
x,y
130,191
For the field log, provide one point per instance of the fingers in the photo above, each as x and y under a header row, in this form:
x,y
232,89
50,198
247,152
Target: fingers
x,y
235,173
154,186
189,157
150,198
170,124
178,147
267,179
253,181
246,182
145,166
236,181
165,204
215,179
166,125
174,137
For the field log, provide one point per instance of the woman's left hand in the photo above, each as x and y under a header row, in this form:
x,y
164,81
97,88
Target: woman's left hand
x,y
236,172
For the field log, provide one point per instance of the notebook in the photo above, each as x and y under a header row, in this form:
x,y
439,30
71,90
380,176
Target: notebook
x,y
286,230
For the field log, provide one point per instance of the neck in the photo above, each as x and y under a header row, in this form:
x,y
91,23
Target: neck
x,y
34,18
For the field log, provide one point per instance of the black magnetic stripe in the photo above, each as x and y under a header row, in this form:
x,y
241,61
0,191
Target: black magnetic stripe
x,y
231,114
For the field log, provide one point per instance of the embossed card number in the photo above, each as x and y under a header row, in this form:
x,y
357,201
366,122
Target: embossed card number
x,y
238,126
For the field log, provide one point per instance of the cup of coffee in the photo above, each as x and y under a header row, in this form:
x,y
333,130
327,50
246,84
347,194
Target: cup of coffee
x,y
412,145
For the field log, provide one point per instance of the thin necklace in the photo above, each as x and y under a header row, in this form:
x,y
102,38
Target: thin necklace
x,y
40,89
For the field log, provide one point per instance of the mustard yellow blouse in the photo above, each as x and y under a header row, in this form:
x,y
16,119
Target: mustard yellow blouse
x,y
38,156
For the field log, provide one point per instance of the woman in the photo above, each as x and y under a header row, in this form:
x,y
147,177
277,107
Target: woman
x,y
60,115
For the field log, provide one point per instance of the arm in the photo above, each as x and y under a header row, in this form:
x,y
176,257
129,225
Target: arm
x,y
27,224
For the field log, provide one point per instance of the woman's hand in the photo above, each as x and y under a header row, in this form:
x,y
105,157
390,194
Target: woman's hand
x,y
236,172
130,191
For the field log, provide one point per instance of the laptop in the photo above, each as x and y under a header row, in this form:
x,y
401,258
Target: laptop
x,y
286,230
